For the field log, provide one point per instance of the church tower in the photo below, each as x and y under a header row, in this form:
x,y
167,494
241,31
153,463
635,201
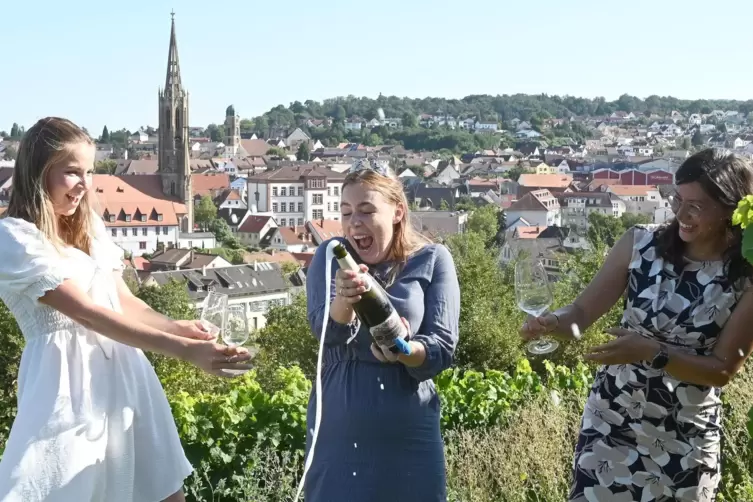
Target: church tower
x,y
232,132
174,159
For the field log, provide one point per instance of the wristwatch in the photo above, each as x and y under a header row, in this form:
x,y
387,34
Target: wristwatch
x,y
661,358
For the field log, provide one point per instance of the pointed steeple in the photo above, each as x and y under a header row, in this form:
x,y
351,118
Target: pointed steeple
x,y
172,81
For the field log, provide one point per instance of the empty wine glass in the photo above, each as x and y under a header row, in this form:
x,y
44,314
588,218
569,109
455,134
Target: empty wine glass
x,y
213,312
534,296
236,331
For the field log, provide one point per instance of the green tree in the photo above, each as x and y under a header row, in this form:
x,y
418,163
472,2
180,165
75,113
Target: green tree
x,y
410,120
303,152
12,342
629,220
483,221
247,126
205,212
286,340
221,230
10,153
216,132
501,227
604,229
105,138
261,126
15,131
276,151
443,206
697,139
465,203
107,166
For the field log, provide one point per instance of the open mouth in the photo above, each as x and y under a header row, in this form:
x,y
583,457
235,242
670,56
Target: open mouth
x,y
363,242
74,199
686,228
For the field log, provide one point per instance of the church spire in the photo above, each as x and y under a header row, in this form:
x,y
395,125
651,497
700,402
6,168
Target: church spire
x,y
172,81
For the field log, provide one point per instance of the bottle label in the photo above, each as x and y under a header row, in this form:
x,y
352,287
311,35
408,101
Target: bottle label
x,y
386,332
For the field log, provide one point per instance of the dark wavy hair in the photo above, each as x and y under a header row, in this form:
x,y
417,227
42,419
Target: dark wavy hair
x,y
727,178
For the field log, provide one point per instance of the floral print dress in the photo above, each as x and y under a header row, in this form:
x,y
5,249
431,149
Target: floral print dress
x,y
644,435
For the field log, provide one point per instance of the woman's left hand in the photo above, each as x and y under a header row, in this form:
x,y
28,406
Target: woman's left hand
x,y
194,329
384,354
628,347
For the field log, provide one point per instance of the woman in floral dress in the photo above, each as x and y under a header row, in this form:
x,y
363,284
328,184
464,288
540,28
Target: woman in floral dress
x,y
652,424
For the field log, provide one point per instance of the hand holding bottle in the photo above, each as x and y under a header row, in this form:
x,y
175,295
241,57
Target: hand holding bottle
x,y
349,285
389,352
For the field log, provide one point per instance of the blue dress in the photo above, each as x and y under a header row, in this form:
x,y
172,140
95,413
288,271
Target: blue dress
x,y
379,437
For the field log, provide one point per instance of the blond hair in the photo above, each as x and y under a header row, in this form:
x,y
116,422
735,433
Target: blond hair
x,y
45,144
406,239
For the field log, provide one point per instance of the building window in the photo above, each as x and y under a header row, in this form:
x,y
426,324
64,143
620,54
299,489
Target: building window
x,y
283,207
317,198
300,207
300,191
283,222
337,206
135,232
274,207
283,192
112,218
300,222
337,190
143,218
329,207
144,231
128,218
159,217
318,214
328,191
114,232
164,230
274,191
142,245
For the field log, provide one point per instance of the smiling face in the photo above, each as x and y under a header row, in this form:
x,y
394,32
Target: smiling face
x,y
69,180
701,218
368,221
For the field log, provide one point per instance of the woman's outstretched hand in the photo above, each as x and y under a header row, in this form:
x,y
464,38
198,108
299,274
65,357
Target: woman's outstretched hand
x,y
627,347
194,329
213,357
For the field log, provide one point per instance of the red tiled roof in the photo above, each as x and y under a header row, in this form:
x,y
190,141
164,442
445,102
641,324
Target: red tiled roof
x,y
129,195
209,184
253,224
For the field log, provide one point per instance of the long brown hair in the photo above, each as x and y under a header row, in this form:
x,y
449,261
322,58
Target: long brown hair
x,y
727,178
406,239
45,144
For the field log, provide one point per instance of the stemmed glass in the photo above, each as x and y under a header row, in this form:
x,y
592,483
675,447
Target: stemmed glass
x,y
534,296
236,331
213,312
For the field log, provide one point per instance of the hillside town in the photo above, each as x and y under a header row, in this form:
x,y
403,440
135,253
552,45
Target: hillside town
x,y
244,213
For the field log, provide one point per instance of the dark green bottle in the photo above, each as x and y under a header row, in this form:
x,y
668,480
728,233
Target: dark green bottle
x,y
374,309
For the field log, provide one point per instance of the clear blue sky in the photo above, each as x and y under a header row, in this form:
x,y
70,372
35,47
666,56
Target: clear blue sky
x,y
101,62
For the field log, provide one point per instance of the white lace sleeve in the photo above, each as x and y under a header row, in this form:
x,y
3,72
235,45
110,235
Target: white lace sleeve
x,y
29,263
104,250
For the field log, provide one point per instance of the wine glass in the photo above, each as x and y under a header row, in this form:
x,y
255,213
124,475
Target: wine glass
x,y
213,313
534,296
236,331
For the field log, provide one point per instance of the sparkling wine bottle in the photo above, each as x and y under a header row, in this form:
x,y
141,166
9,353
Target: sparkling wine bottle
x,y
374,309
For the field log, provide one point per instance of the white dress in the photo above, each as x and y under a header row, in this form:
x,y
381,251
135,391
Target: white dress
x,y
93,422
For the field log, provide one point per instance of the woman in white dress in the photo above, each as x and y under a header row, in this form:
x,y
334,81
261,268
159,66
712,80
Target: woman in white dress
x,y
93,423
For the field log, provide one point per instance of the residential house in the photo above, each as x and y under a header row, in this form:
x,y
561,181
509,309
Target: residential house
x,y
256,287
486,126
199,240
432,195
230,199
295,239
297,193
138,214
6,182
555,183
641,199
548,244
209,185
537,207
323,230
255,227
577,206
438,224
184,259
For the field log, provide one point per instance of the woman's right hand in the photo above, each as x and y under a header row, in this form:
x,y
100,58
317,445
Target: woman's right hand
x,y
349,285
213,357
535,327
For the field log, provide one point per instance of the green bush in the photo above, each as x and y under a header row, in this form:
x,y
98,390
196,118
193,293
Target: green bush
x,y
12,344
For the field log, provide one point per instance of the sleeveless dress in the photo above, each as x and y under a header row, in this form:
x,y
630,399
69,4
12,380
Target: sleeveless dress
x,y
379,438
93,423
645,435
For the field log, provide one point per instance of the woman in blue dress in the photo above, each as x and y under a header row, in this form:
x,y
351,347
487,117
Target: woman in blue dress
x,y
379,437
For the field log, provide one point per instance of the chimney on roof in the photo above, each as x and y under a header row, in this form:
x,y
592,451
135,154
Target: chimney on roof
x,y
204,270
